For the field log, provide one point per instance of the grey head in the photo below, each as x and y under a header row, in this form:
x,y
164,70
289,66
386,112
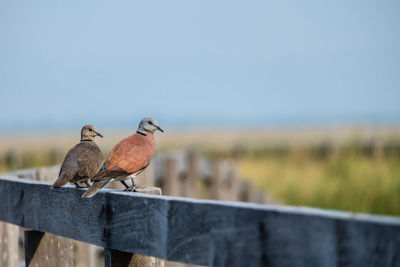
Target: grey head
x,y
89,132
148,125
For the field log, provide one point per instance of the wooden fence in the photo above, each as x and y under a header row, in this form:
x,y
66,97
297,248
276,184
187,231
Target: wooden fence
x,y
178,173
189,174
205,232
180,229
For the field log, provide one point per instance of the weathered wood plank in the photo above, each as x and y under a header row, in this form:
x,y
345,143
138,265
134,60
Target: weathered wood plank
x,y
215,185
203,231
47,250
171,183
146,178
85,254
190,180
8,245
116,258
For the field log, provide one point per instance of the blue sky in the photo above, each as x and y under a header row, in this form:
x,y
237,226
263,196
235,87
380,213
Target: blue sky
x,y
66,63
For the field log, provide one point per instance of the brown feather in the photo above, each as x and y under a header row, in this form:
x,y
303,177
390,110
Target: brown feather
x,y
131,155
94,188
81,162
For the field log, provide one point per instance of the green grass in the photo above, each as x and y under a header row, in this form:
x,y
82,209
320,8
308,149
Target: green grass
x,y
348,181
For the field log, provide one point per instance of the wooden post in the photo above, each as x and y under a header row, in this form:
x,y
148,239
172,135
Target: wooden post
x,y
116,258
189,183
171,180
49,174
253,195
147,177
215,183
223,184
83,254
44,249
8,245
12,160
227,184
243,191
248,193
234,185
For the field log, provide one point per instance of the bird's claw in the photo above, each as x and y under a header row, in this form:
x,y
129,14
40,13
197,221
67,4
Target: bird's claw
x,y
81,186
130,189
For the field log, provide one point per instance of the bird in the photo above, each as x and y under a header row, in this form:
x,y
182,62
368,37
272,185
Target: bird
x,y
82,161
128,158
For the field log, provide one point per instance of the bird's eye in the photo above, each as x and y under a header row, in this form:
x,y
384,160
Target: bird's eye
x,y
150,122
91,130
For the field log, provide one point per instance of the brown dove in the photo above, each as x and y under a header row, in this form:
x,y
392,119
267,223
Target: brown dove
x,y
82,161
128,158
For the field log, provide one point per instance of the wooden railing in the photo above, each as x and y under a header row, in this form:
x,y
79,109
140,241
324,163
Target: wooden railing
x,y
190,174
178,173
204,232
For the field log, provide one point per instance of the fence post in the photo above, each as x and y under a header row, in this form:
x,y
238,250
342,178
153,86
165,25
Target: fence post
x,y
215,183
12,160
171,186
84,253
8,245
44,249
147,177
116,258
243,192
248,193
234,183
189,184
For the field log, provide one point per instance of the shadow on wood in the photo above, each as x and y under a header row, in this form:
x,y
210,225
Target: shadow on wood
x,y
48,250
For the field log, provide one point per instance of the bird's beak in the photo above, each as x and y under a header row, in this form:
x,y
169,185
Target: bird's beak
x,y
99,134
159,128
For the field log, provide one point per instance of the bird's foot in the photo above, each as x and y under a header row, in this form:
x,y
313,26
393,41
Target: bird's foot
x,y
83,184
79,186
130,189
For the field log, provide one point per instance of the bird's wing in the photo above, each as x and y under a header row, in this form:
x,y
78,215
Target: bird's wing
x,y
130,156
94,188
107,175
89,158
68,169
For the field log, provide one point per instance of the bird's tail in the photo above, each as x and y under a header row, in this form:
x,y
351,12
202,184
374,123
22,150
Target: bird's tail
x,y
55,185
61,181
94,188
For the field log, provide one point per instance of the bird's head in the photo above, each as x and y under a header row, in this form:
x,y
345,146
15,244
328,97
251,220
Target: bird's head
x,y
148,125
89,132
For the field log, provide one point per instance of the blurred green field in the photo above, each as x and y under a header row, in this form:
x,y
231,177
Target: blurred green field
x,y
350,181
354,172
358,172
